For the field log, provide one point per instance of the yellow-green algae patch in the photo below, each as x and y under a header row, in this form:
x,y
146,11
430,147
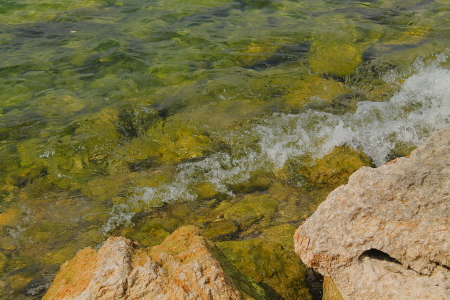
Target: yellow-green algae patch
x,y
151,233
327,173
256,52
313,89
220,229
337,58
105,102
281,234
335,168
103,188
279,272
336,51
3,261
8,217
330,290
250,209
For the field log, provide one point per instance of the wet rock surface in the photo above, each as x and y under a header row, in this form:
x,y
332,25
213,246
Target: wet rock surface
x,y
385,235
184,266
278,270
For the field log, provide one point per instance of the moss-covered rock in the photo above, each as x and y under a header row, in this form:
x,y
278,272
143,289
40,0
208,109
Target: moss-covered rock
x,y
338,51
336,58
280,234
150,233
18,281
134,120
259,181
330,290
172,141
206,190
220,230
295,205
102,188
139,149
276,269
8,216
313,89
27,175
3,261
335,168
186,146
251,209
256,52
59,255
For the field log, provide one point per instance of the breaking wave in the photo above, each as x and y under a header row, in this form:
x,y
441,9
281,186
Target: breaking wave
x,y
419,108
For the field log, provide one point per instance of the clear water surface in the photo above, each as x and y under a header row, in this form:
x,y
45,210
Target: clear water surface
x,y
137,117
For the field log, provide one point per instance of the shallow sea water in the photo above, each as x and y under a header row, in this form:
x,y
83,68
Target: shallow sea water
x,y
138,117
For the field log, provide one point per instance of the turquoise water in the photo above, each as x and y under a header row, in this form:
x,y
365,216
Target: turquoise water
x,y
112,112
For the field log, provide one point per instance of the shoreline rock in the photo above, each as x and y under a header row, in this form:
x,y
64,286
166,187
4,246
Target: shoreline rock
x,y
385,234
184,266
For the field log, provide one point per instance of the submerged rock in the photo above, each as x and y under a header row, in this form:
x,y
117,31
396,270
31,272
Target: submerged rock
x,y
313,89
330,290
385,235
255,53
337,57
184,266
334,168
278,270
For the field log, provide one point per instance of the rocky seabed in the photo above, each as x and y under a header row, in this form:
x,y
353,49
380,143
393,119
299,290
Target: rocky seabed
x,y
383,235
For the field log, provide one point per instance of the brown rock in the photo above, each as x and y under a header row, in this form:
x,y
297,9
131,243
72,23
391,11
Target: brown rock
x,y
185,266
385,235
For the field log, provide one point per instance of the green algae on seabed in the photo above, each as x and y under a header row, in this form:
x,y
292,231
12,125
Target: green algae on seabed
x,y
279,272
330,290
102,100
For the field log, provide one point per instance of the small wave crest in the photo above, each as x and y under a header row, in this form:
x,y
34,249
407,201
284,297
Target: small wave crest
x,y
419,108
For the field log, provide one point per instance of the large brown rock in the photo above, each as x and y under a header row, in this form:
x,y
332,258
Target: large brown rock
x,y
185,266
385,235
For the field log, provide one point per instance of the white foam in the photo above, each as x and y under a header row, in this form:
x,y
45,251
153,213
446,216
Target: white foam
x,y
421,107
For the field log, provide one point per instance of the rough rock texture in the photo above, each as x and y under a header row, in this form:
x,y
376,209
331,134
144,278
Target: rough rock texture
x,y
185,266
385,235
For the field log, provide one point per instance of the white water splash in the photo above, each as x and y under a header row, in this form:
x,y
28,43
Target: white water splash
x,y
421,107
